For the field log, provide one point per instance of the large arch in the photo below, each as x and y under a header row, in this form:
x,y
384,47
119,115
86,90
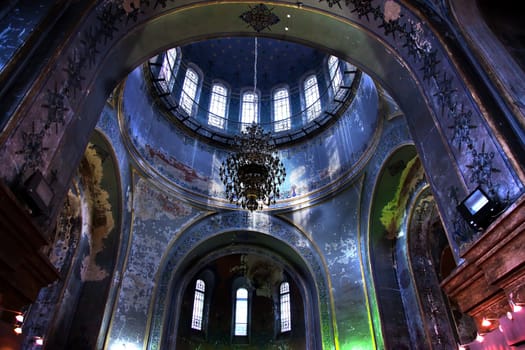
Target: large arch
x,y
387,40
226,233
387,212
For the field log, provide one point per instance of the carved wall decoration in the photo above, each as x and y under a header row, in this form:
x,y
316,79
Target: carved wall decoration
x,y
260,17
74,75
482,169
56,109
89,43
33,149
108,18
461,129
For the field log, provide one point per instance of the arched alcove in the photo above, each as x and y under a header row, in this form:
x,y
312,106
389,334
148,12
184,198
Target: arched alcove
x,y
242,233
261,272
387,215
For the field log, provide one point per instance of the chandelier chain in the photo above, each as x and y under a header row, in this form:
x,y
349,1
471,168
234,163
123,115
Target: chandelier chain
x,y
255,69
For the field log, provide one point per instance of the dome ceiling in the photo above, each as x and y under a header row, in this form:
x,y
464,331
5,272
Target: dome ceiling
x,y
232,60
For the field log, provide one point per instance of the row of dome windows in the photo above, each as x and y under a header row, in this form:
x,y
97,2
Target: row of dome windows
x,y
249,105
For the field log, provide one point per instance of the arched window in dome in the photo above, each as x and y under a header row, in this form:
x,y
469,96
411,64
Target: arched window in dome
x,y
311,97
167,70
281,109
198,305
241,312
189,90
249,109
218,103
336,77
284,307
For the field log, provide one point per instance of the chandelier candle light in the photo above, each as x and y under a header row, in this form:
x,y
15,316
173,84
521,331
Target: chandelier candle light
x,y
253,174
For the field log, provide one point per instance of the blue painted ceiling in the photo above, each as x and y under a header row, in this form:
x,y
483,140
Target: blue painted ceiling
x,y
232,60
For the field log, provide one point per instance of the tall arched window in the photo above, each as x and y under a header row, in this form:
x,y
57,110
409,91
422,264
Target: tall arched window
x,y
218,101
311,97
168,67
198,305
281,109
250,110
189,90
336,77
284,303
241,312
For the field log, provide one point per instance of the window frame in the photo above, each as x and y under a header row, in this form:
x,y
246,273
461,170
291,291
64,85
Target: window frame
x,y
241,300
316,104
211,114
240,283
170,62
335,75
278,120
285,296
256,108
193,99
199,296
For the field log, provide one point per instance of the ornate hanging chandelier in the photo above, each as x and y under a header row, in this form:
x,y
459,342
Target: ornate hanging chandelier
x,y
253,174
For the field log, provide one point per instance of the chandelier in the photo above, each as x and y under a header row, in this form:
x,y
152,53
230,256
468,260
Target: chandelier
x,y
253,174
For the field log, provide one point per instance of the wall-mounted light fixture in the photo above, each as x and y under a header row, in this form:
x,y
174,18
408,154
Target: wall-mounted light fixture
x,y
487,322
39,192
478,209
19,319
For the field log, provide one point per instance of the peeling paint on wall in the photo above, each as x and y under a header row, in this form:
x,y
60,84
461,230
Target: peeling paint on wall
x,y
392,11
98,209
64,241
150,204
341,252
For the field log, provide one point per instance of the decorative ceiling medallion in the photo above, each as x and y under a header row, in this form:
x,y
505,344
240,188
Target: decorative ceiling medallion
x,y
260,17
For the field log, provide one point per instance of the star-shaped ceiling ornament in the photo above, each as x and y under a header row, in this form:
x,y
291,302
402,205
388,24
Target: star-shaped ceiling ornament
x,y
260,17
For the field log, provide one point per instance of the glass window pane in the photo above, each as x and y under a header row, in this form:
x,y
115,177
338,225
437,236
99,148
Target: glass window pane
x,y
336,77
311,96
198,306
189,90
281,107
285,288
286,324
167,68
241,312
249,112
217,109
